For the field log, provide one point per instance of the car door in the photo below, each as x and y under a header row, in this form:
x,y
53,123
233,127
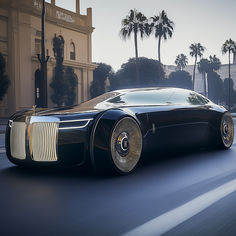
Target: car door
x,y
182,122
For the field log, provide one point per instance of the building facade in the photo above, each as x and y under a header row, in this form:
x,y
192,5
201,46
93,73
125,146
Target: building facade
x,y
20,42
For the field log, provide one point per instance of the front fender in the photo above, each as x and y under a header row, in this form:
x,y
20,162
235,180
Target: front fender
x,y
100,139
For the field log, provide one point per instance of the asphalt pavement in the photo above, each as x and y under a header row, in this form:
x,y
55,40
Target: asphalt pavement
x,y
2,144
75,201
3,123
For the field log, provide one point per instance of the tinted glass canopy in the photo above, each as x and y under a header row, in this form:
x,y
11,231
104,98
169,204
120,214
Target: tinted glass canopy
x,y
145,97
161,96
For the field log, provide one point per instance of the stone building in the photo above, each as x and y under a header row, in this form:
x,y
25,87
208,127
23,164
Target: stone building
x,y
20,42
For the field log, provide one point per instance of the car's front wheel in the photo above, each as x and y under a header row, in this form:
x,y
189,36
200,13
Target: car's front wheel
x,y
116,143
126,145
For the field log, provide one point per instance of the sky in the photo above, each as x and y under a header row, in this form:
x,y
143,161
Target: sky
x,y
209,22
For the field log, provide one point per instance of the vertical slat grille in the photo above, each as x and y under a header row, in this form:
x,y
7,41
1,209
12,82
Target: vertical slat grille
x,y
44,141
17,140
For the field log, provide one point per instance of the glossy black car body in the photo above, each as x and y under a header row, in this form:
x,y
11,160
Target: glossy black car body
x,y
111,131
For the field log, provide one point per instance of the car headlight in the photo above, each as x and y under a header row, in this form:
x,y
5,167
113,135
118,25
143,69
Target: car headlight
x,y
74,124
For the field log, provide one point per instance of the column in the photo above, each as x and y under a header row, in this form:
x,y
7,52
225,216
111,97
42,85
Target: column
x,y
78,7
13,56
85,85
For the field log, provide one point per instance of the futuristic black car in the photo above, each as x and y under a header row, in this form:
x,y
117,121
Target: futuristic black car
x,y
113,130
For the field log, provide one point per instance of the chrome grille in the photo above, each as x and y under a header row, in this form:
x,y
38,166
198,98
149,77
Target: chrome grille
x,y
43,143
17,140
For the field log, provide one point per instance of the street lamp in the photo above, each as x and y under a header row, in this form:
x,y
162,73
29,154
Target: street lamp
x,y
229,85
43,62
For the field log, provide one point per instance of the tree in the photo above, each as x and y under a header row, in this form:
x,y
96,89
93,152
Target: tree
x,y
162,27
215,86
180,79
228,88
181,61
4,81
210,67
203,68
215,63
134,23
215,83
211,64
64,81
204,65
151,72
229,47
196,50
100,76
71,85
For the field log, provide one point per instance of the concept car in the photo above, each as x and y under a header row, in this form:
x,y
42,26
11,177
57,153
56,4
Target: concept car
x,y
113,130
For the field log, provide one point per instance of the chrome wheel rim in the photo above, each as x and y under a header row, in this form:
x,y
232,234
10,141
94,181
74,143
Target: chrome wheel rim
x,y
122,144
227,130
126,144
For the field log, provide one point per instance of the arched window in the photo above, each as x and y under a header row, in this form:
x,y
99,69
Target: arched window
x,y
72,51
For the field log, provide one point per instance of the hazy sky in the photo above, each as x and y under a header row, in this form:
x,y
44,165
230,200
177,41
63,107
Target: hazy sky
x,y
209,22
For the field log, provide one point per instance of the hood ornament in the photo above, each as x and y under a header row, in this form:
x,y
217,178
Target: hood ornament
x,y
34,109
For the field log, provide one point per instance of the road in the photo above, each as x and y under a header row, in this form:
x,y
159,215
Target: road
x,y
176,194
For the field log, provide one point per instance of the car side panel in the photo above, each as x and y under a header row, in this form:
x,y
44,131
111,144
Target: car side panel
x,y
174,127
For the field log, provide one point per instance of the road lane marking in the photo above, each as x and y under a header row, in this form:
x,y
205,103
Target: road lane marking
x,y
2,150
173,218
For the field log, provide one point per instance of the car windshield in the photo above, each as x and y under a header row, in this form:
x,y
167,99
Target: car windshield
x,y
92,103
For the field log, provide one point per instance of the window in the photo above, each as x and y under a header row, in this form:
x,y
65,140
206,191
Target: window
x,y
161,96
72,51
37,46
181,96
145,97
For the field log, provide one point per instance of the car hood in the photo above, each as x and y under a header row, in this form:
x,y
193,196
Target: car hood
x,y
58,112
66,110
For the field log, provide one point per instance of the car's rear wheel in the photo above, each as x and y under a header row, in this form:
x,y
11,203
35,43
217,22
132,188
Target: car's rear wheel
x,y
126,145
226,131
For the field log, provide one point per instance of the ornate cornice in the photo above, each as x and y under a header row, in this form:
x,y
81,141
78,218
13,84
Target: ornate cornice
x,y
74,64
55,15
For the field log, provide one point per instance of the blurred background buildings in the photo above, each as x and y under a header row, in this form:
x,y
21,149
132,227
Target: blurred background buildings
x,y
199,83
20,42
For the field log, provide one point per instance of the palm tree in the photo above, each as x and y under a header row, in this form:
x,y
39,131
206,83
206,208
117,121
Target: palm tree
x,y
229,46
215,63
181,61
204,67
134,23
196,51
163,28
